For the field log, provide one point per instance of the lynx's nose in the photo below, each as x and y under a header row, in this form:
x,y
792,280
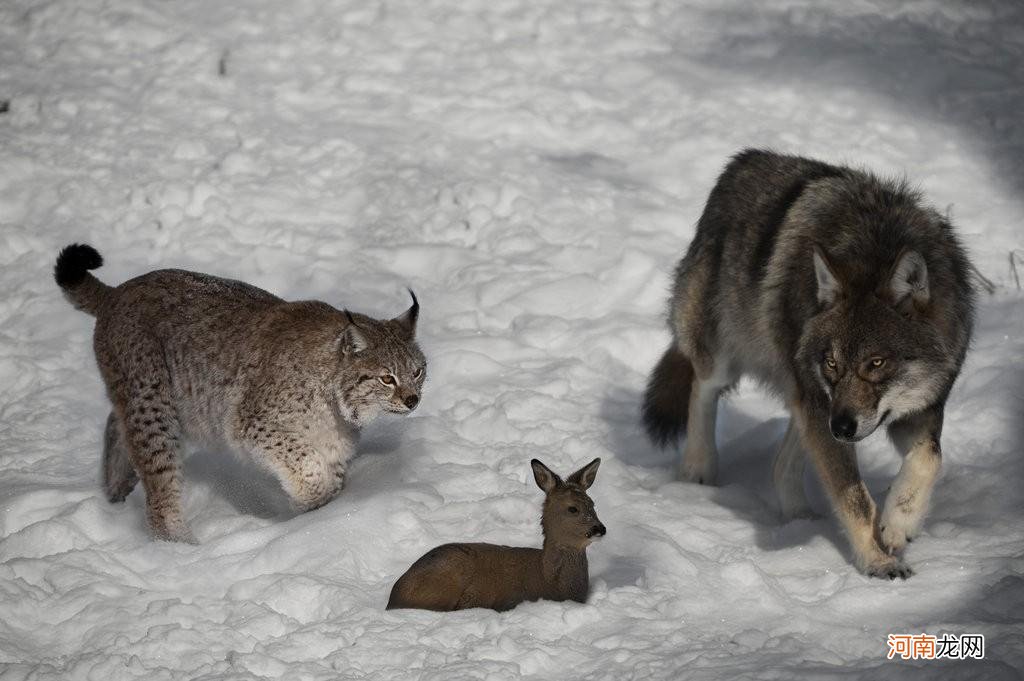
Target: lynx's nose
x,y
411,401
843,426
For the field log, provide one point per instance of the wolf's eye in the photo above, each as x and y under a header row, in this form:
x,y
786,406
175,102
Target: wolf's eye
x,y
878,362
573,509
387,379
830,363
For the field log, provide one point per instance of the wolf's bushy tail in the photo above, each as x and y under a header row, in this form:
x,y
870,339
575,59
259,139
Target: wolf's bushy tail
x,y
667,399
85,291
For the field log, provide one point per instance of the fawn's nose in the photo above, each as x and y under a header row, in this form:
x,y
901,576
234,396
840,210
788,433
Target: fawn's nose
x,y
597,531
411,401
843,425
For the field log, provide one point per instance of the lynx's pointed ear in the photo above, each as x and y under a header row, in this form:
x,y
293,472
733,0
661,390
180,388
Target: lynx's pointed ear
x,y
910,277
407,320
353,341
545,477
829,287
584,477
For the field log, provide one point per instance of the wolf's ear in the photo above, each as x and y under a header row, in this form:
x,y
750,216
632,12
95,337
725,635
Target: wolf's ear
x,y
829,287
352,341
910,278
407,320
584,477
545,477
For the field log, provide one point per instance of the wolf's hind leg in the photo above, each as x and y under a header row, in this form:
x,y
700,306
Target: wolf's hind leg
x,y
119,476
788,474
917,439
700,454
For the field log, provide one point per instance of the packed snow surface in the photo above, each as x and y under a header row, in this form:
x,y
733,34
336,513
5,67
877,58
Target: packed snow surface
x,y
533,169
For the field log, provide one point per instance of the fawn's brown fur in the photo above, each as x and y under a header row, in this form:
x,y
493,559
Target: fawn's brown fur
x,y
459,576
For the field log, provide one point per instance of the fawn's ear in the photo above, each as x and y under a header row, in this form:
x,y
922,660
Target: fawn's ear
x,y
407,320
584,477
353,341
545,477
829,286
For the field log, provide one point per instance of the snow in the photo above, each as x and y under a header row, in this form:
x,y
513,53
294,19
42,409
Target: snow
x,y
533,170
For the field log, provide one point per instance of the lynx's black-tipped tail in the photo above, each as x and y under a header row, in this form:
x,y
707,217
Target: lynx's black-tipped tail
x,y
667,399
85,291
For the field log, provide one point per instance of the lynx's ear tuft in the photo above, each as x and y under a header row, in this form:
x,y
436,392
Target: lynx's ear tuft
x,y
407,320
353,340
829,287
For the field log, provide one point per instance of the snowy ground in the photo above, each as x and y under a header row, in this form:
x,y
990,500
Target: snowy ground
x,y
533,168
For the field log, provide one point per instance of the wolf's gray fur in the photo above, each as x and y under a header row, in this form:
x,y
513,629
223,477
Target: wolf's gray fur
x,y
188,356
849,297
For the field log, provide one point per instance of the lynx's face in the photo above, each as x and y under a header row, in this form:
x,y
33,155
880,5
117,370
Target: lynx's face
x,y
382,367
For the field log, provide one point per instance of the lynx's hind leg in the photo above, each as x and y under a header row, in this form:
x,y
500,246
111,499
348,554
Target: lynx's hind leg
x,y
140,385
154,440
119,476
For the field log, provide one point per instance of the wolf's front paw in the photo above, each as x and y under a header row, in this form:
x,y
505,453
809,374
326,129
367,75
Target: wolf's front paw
x,y
895,538
888,567
897,530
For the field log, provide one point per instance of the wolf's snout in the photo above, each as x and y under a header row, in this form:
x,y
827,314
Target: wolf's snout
x,y
844,426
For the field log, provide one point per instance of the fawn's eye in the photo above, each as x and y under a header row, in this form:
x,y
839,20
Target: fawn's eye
x,y
573,509
387,379
878,362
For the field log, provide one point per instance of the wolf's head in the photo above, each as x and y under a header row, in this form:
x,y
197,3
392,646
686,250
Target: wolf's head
x,y
382,367
871,347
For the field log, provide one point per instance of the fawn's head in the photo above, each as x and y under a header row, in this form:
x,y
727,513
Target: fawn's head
x,y
569,518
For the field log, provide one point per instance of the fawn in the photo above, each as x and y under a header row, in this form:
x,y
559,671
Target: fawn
x,y
460,576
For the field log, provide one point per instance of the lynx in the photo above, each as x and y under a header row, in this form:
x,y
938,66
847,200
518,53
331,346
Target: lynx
x,y
189,357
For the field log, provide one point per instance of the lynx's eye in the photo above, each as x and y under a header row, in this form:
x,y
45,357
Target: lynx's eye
x,y
878,362
419,372
573,509
387,379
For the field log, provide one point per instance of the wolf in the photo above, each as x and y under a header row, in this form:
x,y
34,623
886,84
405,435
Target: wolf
x,y
850,298
189,357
